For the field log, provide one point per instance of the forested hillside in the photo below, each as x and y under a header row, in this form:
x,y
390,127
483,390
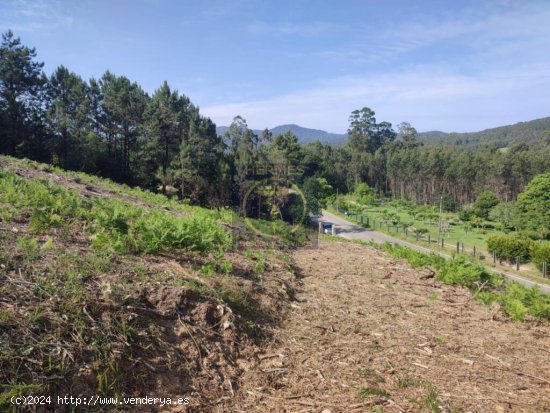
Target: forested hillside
x,y
143,253
304,135
111,127
530,132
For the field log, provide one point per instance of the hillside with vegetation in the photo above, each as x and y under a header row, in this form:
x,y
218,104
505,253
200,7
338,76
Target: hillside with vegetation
x,y
141,253
529,132
112,128
109,290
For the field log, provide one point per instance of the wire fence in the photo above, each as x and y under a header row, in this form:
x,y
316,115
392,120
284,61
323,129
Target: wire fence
x,y
438,242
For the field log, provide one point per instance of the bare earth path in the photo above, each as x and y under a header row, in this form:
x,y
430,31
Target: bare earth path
x,y
368,334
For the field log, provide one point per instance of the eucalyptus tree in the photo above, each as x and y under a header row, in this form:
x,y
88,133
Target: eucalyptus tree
x,y
366,136
407,133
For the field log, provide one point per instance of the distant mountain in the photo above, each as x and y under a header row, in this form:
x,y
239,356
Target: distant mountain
x,y
502,136
304,135
432,134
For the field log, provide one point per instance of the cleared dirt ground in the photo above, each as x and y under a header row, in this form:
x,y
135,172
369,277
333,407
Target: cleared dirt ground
x,y
368,334
341,328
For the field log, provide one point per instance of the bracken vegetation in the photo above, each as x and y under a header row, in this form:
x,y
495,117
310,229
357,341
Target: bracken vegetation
x,y
99,279
516,300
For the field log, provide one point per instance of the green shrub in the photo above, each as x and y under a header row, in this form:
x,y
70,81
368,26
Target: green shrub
x,y
540,254
115,226
460,271
508,247
364,193
519,301
29,248
484,203
516,300
415,258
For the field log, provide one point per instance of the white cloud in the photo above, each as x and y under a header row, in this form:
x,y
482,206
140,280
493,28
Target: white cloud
x,y
34,15
429,98
301,29
487,31
499,75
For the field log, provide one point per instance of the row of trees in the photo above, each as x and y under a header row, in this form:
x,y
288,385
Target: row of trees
x,y
111,127
108,126
397,165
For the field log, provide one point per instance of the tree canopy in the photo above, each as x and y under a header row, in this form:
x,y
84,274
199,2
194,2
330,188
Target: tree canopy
x,y
533,206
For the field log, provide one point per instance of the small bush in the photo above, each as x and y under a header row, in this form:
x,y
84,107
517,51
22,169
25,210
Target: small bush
x,y
509,247
459,271
484,203
541,254
519,301
516,300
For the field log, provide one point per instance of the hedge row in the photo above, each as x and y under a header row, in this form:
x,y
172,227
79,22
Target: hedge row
x,y
508,247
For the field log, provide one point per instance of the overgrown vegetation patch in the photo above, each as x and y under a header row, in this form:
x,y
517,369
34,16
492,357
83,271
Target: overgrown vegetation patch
x,y
515,300
96,284
113,225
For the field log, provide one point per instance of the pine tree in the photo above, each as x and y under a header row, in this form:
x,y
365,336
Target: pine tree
x,y
123,103
21,87
202,164
68,116
163,131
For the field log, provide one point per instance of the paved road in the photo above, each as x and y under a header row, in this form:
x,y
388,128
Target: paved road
x,y
346,229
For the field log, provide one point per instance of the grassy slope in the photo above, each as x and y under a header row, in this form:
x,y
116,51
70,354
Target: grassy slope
x,y
110,290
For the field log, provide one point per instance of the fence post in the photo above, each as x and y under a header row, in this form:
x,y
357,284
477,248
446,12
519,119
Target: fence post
x,y
442,243
429,239
406,232
457,247
463,248
417,235
474,251
494,257
517,263
320,226
368,225
388,227
333,229
544,269
361,219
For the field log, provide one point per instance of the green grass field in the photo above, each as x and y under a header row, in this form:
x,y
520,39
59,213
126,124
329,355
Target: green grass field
x,y
392,219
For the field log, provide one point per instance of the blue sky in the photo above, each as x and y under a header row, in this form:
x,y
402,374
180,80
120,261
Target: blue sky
x,y
446,65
